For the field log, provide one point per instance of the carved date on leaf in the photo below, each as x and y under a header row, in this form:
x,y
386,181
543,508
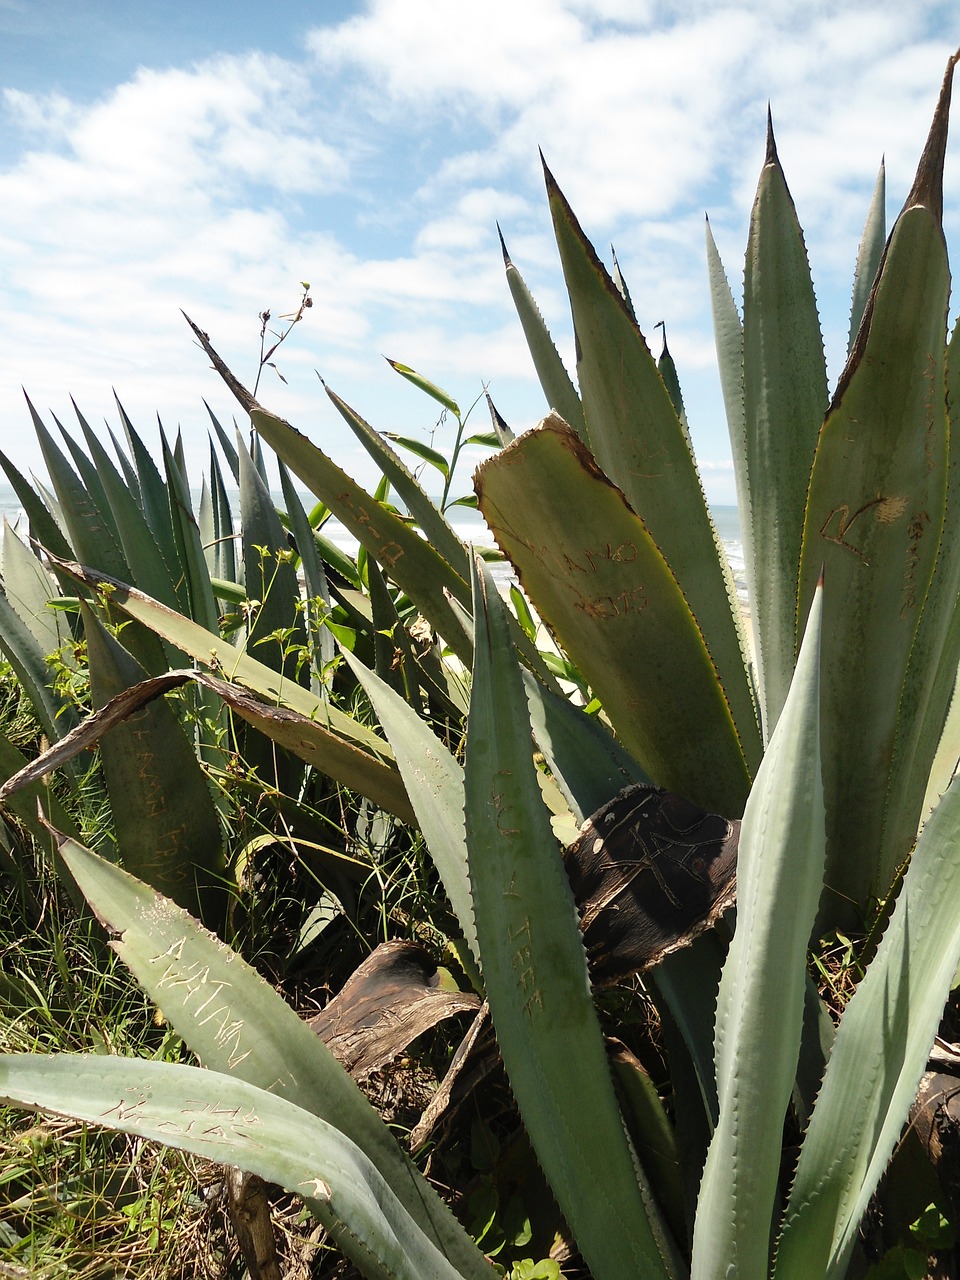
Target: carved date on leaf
x,y
650,871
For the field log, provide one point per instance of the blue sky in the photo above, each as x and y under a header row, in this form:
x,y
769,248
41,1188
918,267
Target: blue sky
x,y
164,155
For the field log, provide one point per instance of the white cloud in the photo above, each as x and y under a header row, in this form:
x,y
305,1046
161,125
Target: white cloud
x,y
378,165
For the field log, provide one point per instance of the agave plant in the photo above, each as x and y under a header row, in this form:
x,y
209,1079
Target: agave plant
x,y
823,768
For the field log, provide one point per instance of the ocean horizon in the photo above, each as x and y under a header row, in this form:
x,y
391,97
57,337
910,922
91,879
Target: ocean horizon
x,y
468,525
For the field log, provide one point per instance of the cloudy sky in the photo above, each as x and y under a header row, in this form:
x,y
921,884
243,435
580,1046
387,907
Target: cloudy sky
x,y
160,155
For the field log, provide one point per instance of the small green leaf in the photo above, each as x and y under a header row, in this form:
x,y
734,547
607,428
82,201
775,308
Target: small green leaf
x,y
431,388
424,451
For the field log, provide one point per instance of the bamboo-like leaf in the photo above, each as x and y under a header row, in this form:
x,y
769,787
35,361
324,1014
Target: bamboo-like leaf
x,y
230,1121
869,253
561,395
878,1057
421,450
874,519
535,973
421,508
762,990
785,398
639,443
593,572
424,384
237,1024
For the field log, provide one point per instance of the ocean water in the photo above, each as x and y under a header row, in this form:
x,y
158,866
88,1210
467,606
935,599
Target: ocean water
x,y
469,525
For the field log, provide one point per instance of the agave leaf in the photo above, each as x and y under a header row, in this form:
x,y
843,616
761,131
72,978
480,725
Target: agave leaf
x,y
587,761
168,831
92,538
535,973
270,579
762,990
785,398
409,560
230,1121
416,567
501,429
347,759
424,512
561,395
347,750
314,576
667,369
728,335
219,544
29,662
89,477
930,678
29,588
154,494
874,519
43,527
126,465
226,444
434,782
639,443
620,282
592,570
869,254
878,1057
195,590
143,546
237,1024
